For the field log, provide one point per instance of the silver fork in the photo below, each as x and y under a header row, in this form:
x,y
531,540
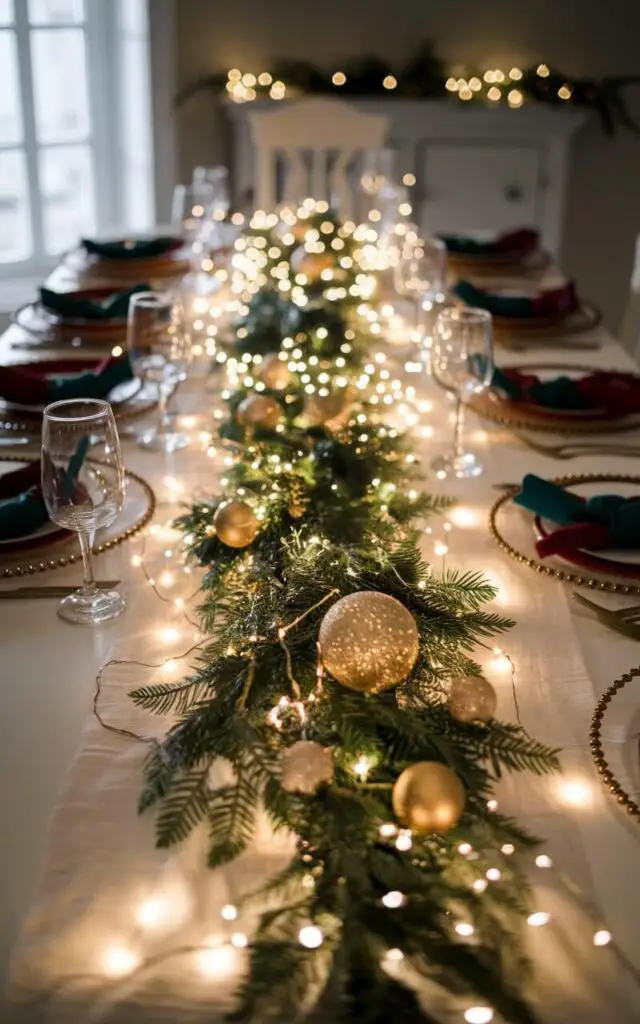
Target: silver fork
x,y
575,449
623,620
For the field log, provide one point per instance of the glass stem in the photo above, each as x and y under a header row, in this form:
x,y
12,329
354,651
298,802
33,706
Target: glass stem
x,y
165,422
457,431
86,543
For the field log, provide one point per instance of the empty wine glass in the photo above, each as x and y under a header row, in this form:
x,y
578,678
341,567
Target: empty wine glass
x,y
462,364
160,348
377,169
420,275
83,492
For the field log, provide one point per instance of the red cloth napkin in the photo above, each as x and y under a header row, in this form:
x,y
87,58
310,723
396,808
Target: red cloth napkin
x,y
566,540
522,240
555,301
28,383
19,481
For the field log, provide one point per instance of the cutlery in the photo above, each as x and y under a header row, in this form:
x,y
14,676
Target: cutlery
x,y
9,442
30,593
526,346
625,620
574,449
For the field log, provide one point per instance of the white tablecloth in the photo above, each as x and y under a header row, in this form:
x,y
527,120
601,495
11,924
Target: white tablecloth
x,y
98,858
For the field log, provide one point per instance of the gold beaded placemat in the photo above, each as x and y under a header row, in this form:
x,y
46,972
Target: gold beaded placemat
x,y
575,579
595,734
41,559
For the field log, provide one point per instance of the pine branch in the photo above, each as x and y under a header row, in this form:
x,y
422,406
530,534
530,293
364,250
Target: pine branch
x,y
184,806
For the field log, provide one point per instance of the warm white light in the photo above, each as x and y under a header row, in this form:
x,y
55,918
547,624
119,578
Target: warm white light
x,y
515,98
494,874
602,937
465,929
388,830
478,1015
542,70
508,849
239,940
464,517
540,918
119,960
339,78
574,792
494,93
229,912
362,767
492,805
217,962
389,82
151,913
409,180
169,667
515,74
117,350
465,849
480,885
311,937
564,92
451,84
404,841
136,561
395,955
167,579
542,861
169,634
393,900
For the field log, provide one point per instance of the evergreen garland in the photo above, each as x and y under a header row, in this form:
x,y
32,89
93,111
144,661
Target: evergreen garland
x,y
337,513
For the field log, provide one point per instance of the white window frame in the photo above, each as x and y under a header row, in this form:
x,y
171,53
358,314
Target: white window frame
x,y
104,28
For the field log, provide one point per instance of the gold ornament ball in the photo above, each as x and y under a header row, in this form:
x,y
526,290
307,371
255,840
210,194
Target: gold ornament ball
x,y
472,699
236,524
259,411
320,409
428,797
274,373
311,263
305,767
368,641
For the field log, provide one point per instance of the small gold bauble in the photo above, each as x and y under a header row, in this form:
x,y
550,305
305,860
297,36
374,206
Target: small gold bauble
x,y
428,797
320,409
259,411
274,373
311,264
472,699
236,524
305,767
368,641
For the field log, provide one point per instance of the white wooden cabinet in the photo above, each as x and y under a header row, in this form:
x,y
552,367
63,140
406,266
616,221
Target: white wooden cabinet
x,y
476,169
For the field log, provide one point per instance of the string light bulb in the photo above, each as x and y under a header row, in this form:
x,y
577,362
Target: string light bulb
x,y
390,82
602,937
478,1015
310,936
465,929
217,961
339,78
539,919
543,861
393,900
229,912
119,961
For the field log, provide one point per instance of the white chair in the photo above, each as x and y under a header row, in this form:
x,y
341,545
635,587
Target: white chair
x,y
630,329
307,147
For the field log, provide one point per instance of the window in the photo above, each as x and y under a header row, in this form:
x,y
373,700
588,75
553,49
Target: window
x,y
74,91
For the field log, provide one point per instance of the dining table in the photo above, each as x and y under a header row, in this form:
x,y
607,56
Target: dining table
x,y
99,925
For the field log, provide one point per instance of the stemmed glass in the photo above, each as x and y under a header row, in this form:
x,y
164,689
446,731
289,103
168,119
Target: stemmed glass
x,y
159,346
198,208
83,492
420,274
377,169
462,364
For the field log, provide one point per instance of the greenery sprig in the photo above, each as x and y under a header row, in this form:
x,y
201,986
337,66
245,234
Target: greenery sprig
x,y
338,512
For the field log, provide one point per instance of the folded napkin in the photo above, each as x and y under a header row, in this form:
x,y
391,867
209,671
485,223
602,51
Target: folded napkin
x,y
39,383
97,304
552,302
132,248
22,509
612,393
521,242
604,521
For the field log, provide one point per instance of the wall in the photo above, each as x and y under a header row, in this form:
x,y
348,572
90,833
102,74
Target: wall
x,y
580,36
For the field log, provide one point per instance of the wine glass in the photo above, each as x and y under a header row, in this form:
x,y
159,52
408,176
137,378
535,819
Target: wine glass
x,y
462,364
160,348
420,274
377,169
83,489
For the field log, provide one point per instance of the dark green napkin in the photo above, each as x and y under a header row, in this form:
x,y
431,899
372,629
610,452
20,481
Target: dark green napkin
x,y
86,306
131,249
96,384
497,305
620,517
22,514
519,241
559,393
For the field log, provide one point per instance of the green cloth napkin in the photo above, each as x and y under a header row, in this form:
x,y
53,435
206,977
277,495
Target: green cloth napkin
x,y
22,515
131,249
92,384
559,393
80,306
497,305
621,516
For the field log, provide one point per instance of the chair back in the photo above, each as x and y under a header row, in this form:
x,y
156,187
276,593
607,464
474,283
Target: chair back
x,y
630,330
310,148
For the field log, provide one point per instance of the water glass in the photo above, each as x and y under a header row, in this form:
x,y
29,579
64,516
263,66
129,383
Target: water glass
x,y
377,169
83,486
159,345
462,364
420,275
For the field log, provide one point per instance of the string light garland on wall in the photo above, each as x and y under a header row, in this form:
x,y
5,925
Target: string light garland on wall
x,y
424,76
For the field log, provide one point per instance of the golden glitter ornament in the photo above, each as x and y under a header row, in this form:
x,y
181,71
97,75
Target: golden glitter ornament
x,y
472,699
320,409
428,797
274,373
311,263
298,501
236,524
305,767
259,411
368,641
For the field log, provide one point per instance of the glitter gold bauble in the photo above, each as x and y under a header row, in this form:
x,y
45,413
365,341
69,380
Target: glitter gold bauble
x,y
236,524
472,699
428,797
311,263
259,411
274,373
320,409
305,767
368,641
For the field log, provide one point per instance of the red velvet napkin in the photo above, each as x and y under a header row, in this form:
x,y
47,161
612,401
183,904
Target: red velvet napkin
x,y
566,540
19,481
522,240
555,301
28,383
